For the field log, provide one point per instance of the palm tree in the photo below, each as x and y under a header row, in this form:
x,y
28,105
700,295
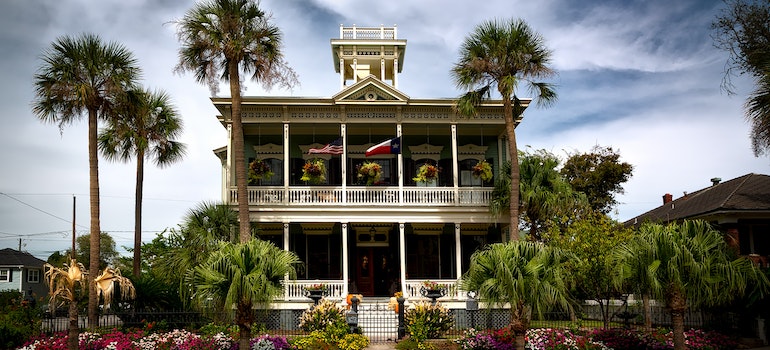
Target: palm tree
x,y
230,36
545,196
146,127
203,228
82,76
503,54
529,276
686,265
243,275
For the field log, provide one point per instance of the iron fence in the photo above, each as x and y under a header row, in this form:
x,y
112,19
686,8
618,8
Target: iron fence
x,y
381,324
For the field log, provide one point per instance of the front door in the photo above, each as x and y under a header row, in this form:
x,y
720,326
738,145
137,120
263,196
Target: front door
x,y
374,271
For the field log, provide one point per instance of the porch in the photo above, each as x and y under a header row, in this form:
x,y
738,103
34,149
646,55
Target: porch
x,y
364,196
335,289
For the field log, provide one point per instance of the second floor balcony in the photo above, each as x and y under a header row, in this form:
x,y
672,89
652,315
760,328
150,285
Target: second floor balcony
x,y
365,196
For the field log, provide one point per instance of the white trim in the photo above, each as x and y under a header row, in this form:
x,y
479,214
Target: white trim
x,y
5,275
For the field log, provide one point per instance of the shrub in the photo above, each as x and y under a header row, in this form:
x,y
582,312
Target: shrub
x,y
353,342
661,339
18,320
268,342
426,321
327,318
561,339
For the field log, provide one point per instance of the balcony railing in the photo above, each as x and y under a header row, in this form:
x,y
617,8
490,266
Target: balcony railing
x,y
367,32
295,290
354,196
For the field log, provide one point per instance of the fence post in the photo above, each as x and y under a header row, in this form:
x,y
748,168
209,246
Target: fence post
x,y
401,325
352,316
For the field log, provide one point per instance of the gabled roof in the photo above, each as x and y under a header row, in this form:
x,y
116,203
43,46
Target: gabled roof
x,y
748,195
370,89
11,257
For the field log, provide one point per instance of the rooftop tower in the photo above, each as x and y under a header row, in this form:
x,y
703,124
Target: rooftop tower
x,y
364,51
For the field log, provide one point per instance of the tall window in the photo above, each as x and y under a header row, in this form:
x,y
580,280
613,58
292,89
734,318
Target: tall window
x,y
276,166
33,276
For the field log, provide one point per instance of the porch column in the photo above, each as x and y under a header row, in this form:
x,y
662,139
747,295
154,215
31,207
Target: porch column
x,y
458,252
344,160
400,159
345,262
455,164
402,255
286,248
286,164
228,165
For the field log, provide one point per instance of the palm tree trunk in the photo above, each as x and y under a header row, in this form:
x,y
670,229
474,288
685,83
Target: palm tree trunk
x,y
138,213
513,153
239,157
244,317
519,324
647,312
93,171
677,325
72,335
677,303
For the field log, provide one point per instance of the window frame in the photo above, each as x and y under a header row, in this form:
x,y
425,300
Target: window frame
x,y
5,275
30,274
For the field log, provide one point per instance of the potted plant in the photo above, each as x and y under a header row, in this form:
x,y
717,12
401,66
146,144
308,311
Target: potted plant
x,y
427,173
315,291
258,170
482,170
314,171
433,290
368,173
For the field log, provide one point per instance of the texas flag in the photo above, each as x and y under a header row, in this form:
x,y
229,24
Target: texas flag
x,y
392,146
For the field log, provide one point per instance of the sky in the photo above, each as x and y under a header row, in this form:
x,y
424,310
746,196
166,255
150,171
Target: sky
x,y
642,77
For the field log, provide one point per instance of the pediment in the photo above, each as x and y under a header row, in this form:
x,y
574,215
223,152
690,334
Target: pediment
x,y
370,90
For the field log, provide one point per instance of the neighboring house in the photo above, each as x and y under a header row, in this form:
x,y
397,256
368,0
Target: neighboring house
x,y
22,272
396,233
740,208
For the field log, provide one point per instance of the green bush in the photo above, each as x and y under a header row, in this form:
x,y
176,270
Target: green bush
x,y
18,320
327,318
427,321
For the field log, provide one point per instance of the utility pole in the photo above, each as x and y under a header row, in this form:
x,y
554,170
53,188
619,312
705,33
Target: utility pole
x,y
72,255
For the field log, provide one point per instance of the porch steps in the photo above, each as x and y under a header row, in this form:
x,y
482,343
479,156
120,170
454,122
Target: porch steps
x,y
377,322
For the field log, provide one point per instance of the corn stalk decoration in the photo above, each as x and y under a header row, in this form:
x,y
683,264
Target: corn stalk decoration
x,y
64,285
105,286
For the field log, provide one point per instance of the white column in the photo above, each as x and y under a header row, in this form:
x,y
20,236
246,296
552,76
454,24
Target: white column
x,y
342,68
400,159
402,255
455,164
458,252
355,69
345,262
228,164
286,155
286,248
382,65
395,69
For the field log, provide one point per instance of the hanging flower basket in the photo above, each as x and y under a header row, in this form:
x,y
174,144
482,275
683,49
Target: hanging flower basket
x,y
368,173
258,170
482,170
313,171
427,173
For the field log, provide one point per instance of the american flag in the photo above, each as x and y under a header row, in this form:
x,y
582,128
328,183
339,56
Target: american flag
x,y
334,147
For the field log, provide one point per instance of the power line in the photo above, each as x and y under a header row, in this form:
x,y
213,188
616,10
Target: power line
x,y
40,210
